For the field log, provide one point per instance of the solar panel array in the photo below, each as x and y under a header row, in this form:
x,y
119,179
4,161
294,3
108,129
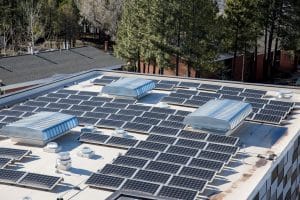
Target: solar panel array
x,y
27,179
264,110
169,159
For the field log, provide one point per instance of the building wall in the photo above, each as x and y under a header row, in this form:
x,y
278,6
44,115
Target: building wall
x,y
282,182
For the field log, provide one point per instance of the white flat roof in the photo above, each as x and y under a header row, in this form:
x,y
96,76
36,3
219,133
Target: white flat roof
x,y
240,181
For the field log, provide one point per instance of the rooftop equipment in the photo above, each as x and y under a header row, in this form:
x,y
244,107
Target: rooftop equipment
x,y
86,152
39,129
221,116
129,87
63,161
52,147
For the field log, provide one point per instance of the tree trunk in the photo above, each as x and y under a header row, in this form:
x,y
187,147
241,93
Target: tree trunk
x,y
139,63
255,62
235,53
275,54
188,69
144,67
149,67
154,68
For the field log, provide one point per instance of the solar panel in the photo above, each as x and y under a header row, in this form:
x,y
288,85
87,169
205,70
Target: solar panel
x,y
182,112
194,103
209,94
192,172
282,103
106,110
141,153
191,143
102,81
88,93
210,87
35,103
267,118
206,164
91,103
67,91
188,183
79,97
139,107
144,120
231,97
222,148
11,113
104,181
175,118
161,139
273,112
135,113
140,186
93,138
245,94
169,82
202,98
155,115
130,161
193,135
107,123
172,124
182,151
163,110
82,108
164,130
257,105
124,101
57,95
69,101
10,176
115,105
121,117
47,99
10,119
98,115
177,193
123,142
87,120
137,127
151,146
222,139
47,110
167,87
187,92
101,99
233,89
252,91
228,92
172,158
163,167
59,106
151,176
15,154
222,157
24,108
4,162
72,112
256,100
39,181
173,100
189,84
116,170
180,95
277,107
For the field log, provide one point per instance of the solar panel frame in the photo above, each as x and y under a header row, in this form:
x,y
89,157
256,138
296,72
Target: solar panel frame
x,y
140,186
202,98
116,170
24,108
192,172
65,91
137,127
176,118
193,103
222,148
172,124
124,101
139,107
216,156
161,139
114,105
172,100
155,115
163,110
186,84
88,93
282,103
273,112
10,176
82,108
151,176
35,103
130,161
101,99
105,181
206,164
5,162
245,94
182,112
145,120
47,99
93,138
173,158
11,113
47,110
120,117
57,95
253,91
221,139
191,143
121,142
175,83
187,92
277,107
231,97
106,123
188,183
236,89
167,87
177,193
9,119
129,112
154,146
185,151
164,130
87,120
193,135
91,103
59,106
79,97
39,181
106,110
15,154
102,81
180,95
70,101
209,87
272,119
163,167
96,115
73,112
228,92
